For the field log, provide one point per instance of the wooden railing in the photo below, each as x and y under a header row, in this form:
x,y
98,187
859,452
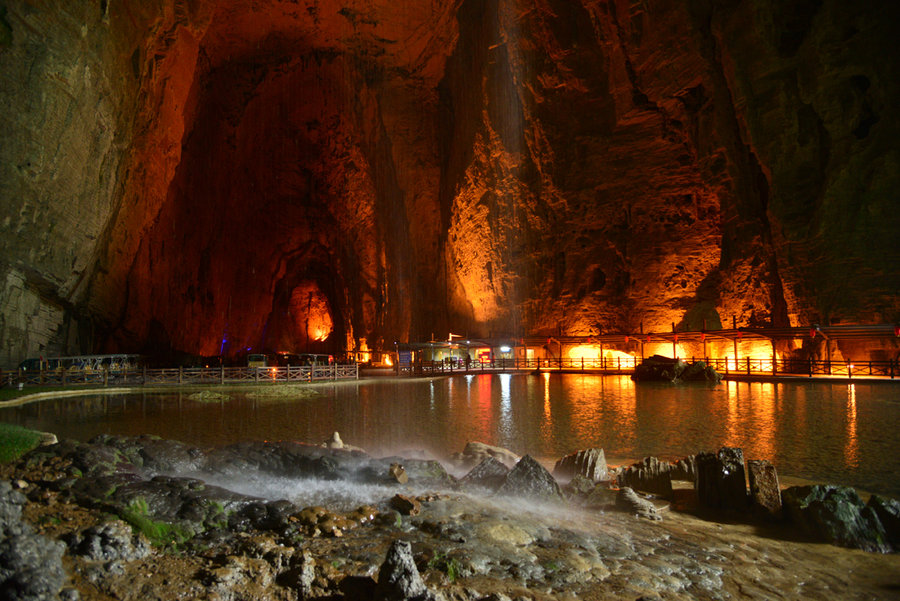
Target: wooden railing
x,y
618,365
179,376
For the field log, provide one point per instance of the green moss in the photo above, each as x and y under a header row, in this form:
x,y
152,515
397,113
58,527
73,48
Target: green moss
x,y
15,441
160,534
448,565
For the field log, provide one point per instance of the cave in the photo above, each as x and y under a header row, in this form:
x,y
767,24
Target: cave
x,y
219,177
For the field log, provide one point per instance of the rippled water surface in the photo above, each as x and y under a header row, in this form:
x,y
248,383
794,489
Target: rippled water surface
x,y
840,433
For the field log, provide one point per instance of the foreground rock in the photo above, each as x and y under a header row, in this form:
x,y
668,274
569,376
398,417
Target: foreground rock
x,y
721,480
531,480
31,566
590,463
476,452
399,578
274,538
650,475
837,515
629,501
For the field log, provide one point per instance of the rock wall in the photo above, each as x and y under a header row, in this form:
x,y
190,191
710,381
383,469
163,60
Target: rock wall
x,y
177,172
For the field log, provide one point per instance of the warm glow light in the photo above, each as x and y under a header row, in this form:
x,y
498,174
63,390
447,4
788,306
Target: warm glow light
x,y
592,352
310,311
851,449
387,361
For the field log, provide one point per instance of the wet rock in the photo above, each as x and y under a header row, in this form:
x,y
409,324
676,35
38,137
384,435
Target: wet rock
x,y
398,473
700,372
590,463
629,501
30,565
110,541
837,515
601,497
650,475
579,486
684,469
283,459
406,505
398,578
319,521
888,512
765,492
489,474
721,481
476,452
251,577
301,574
658,369
190,506
428,473
530,479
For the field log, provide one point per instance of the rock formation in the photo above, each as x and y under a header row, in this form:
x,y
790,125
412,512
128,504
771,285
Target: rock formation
x,y
214,176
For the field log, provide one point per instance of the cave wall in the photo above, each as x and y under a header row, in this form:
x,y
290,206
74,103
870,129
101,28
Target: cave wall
x,y
174,171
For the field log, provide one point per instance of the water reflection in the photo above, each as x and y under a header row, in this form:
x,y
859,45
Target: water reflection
x,y
851,450
505,429
813,430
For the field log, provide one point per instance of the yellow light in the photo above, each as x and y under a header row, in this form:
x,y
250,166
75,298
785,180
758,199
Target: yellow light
x,y
387,361
584,351
592,352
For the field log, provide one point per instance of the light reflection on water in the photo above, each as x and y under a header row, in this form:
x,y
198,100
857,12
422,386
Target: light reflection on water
x,y
825,432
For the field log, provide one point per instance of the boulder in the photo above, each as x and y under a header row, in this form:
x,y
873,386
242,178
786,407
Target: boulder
x,y
406,505
590,463
765,492
684,469
301,575
658,369
489,474
580,486
888,512
398,578
110,541
699,371
721,480
31,565
650,475
629,501
476,452
837,515
530,479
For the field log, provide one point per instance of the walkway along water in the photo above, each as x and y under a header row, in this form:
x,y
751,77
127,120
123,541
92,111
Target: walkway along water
x,y
729,367
181,376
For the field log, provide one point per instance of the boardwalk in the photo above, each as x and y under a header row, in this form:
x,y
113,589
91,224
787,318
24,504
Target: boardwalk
x,y
181,376
729,368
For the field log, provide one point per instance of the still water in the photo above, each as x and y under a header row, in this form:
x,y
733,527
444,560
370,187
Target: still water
x,y
847,434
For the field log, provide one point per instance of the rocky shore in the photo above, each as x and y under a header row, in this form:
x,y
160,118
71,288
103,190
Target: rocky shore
x,y
146,518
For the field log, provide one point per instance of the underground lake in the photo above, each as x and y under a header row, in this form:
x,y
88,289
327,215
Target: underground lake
x,y
822,432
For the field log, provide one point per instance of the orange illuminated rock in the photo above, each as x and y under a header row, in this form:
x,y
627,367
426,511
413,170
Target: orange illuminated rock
x,y
175,172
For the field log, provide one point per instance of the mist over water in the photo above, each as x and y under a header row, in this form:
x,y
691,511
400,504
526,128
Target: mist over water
x,y
839,433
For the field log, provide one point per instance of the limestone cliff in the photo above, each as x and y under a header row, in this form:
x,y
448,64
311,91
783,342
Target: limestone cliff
x,y
212,176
